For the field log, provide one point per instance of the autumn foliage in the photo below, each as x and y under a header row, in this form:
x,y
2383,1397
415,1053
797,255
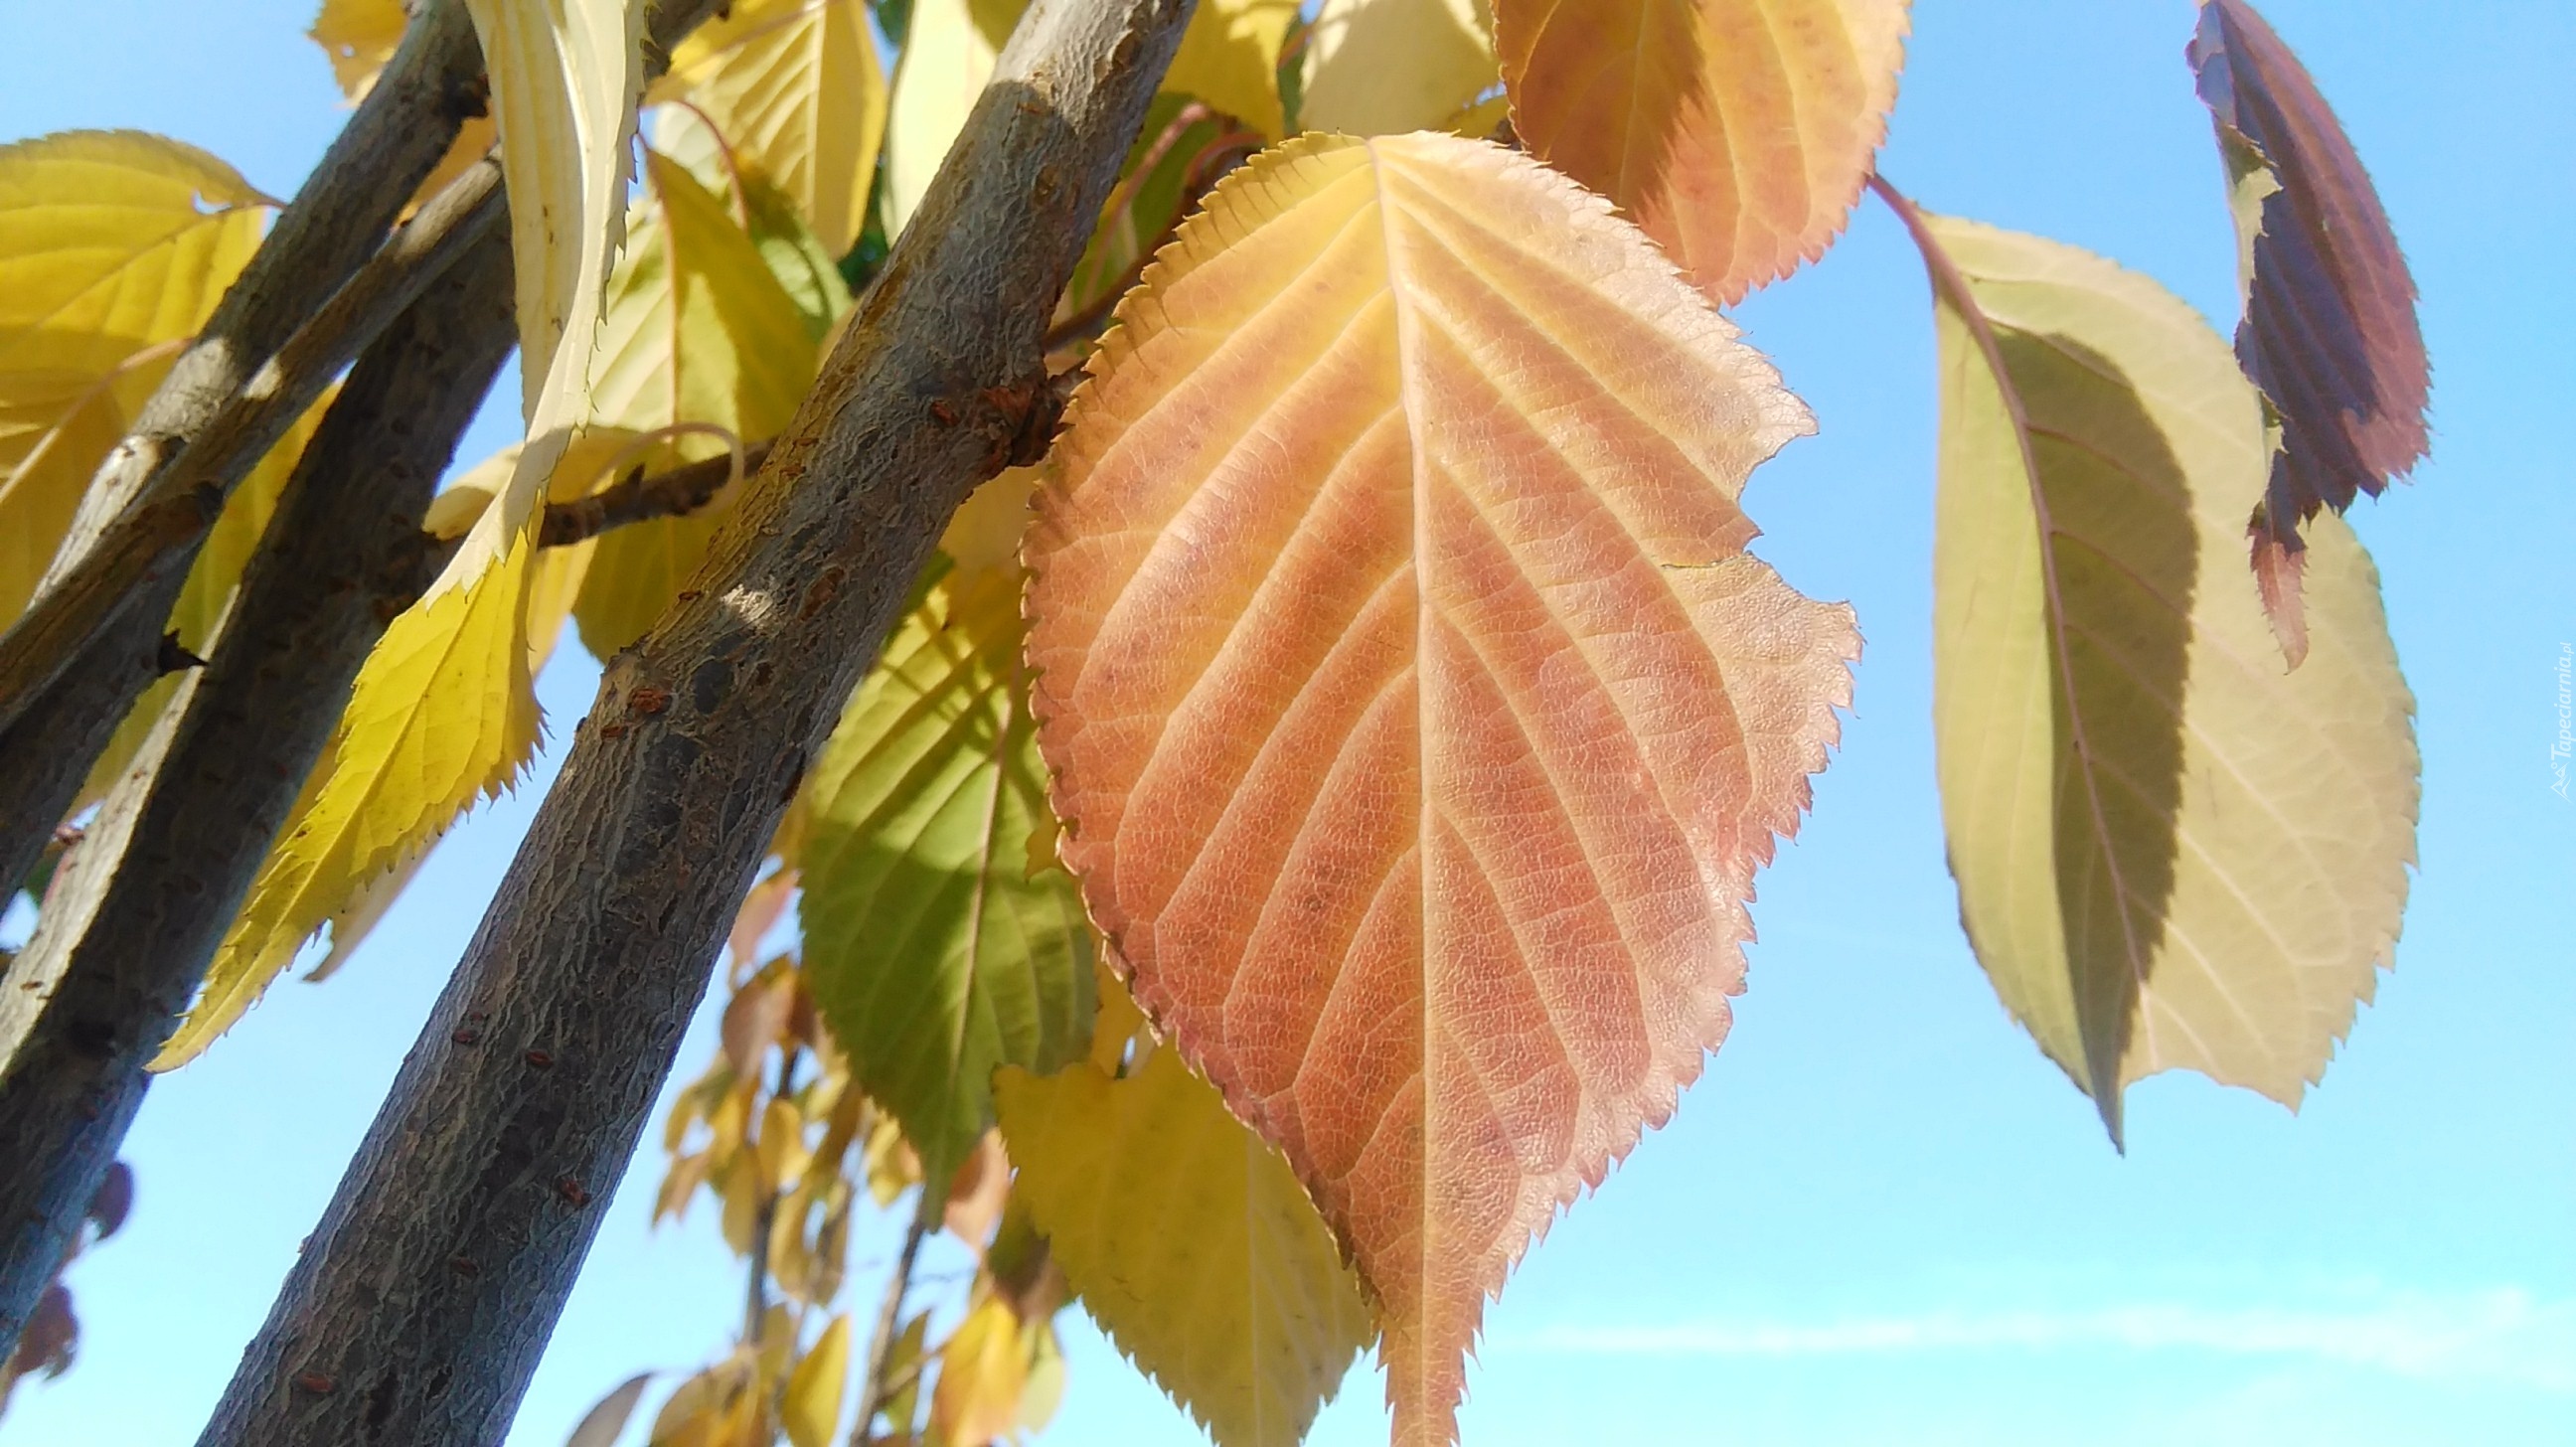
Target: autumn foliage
x,y
1300,834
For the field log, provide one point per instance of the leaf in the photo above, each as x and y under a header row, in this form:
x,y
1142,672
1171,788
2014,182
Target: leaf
x,y
948,53
443,709
1189,1241
442,712
2170,854
114,247
2329,332
800,97
698,331
812,1406
1380,67
715,1408
982,1371
932,952
1737,132
1418,720
601,1425
1229,58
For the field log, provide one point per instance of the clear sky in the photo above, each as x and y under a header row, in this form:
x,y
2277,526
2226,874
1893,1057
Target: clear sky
x,y
1882,1217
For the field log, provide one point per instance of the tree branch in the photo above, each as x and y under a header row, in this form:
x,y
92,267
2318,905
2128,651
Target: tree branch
x,y
422,1300
875,1390
126,934
638,497
309,301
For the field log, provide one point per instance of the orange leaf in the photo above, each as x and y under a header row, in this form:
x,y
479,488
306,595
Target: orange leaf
x,y
1737,132
1417,715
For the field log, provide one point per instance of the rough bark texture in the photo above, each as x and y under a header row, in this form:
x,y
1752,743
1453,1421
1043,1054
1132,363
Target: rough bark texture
x,y
63,689
424,1297
134,919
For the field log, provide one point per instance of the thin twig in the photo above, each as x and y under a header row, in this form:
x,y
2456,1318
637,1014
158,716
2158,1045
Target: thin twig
x,y
755,1310
640,496
879,1390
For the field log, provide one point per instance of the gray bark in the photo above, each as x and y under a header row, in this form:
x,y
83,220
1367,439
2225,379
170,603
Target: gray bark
x,y
424,1297
142,903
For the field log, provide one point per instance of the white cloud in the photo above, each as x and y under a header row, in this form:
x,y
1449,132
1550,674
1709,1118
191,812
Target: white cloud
x,y
2506,1335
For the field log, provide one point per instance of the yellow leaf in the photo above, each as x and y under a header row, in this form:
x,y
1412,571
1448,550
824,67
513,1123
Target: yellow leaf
x,y
2172,853
982,1372
114,246
782,1151
1229,58
715,1408
698,332
797,90
983,535
947,56
1736,132
442,712
1190,1241
1380,67
812,1406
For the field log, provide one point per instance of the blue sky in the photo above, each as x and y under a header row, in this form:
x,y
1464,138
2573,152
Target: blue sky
x,y
1882,1217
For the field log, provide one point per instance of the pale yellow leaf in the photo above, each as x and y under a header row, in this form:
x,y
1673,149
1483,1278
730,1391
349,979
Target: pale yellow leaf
x,y
114,247
1190,1241
1229,58
812,1406
699,333
2172,852
1379,67
982,1372
797,90
946,57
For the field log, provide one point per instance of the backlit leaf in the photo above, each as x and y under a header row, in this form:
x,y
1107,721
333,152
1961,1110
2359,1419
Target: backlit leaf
x,y
114,247
600,1426
1737,132
1229,58
800,96
982,1372
933,953
2170,853
1380,67
812,1405
443,710
2329,332
1417,716
948,53
1189,1241
697,331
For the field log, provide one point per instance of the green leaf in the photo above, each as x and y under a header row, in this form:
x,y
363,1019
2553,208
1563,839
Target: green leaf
x,y
2171,852
1190,1241
932,949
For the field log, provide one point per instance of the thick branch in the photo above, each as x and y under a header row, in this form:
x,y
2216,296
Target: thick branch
x,y
307,304
128,930
422,1299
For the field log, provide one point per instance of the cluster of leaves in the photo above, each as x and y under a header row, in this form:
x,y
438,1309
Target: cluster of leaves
x,y
1381,630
